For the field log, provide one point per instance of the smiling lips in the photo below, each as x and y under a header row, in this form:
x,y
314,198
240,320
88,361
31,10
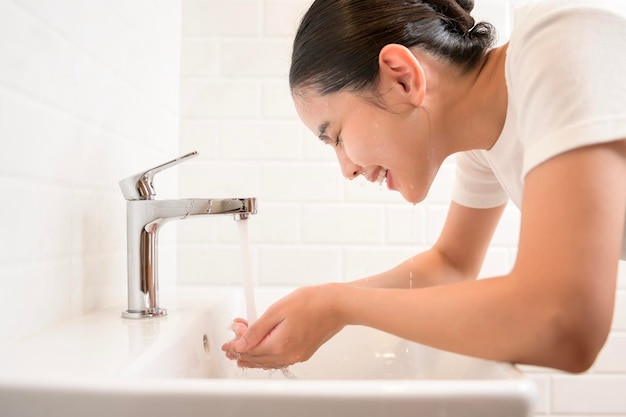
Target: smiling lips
x,y
382,174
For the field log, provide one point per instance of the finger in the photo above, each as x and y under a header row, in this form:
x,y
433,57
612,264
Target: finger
x,y
257,365
256,333
268,361
228,346
239,329
239,320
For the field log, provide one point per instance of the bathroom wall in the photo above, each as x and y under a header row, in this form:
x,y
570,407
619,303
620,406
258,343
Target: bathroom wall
x,y
313,226
89,94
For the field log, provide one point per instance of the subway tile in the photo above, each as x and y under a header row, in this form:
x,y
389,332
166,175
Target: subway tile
x,y
98,222
619,315
35,222
256,58
224,229
219,180
496,263
198,230
332,223
26,48
298,265
199,57
441,189
405,224
282,17
276,101
313,149
25,311
102,280
261,141
361,262
290,182
201,136
93,26
435,219
210,99
223,18
593,394
507,231
275,224
154,83
612,359
35,149
209,264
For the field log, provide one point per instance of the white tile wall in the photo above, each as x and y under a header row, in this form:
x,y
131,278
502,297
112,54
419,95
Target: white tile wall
x,y
312,225
89,94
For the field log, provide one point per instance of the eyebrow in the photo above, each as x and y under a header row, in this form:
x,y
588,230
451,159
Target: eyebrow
x,y
322,130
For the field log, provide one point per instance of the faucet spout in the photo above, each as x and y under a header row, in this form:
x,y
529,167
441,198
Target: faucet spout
x,y
145,217
163,211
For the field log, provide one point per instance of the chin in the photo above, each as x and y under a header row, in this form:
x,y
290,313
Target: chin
x,y
414,194
413,197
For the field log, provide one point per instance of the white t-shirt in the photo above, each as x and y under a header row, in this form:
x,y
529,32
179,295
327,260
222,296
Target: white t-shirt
x,y
566,80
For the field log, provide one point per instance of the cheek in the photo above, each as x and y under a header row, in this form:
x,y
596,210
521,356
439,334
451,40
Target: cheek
x,y
367,146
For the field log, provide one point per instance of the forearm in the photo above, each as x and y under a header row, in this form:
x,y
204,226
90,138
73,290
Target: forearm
x,y
486,318
425,269
456,256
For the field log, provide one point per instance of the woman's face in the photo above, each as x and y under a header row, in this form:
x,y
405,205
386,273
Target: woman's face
x,y
389,141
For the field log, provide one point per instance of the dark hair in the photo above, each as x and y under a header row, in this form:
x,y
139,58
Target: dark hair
x,y
338,41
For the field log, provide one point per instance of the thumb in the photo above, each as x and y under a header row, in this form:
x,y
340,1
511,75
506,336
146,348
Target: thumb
x,y
254,335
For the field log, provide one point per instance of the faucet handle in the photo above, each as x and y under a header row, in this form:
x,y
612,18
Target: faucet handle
x,y
139,186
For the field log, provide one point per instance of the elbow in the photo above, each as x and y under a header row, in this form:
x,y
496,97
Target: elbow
x,y
576,340
577,356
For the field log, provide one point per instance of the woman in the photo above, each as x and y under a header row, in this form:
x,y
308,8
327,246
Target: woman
x,y
396,86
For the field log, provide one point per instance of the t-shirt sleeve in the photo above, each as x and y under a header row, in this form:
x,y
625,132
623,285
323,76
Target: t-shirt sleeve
x,y
566,76
476,185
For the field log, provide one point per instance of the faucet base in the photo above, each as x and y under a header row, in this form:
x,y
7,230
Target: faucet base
x,y
144,314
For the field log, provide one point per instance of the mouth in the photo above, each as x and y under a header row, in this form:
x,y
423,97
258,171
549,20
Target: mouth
x,y
382,175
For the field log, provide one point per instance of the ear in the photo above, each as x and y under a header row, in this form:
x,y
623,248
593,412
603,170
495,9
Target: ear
x,y
401,70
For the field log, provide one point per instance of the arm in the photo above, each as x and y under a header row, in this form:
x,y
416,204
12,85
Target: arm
x,y
554,309
457,255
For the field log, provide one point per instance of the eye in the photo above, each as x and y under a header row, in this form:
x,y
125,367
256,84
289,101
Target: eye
x,y
330,141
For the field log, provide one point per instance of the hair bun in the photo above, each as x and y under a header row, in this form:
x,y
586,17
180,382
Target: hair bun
x,y
467,5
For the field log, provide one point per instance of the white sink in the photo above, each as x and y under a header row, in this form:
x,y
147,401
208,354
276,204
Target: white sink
x,y
103,365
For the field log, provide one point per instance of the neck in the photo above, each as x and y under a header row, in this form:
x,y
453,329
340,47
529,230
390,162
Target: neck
x,y
475,109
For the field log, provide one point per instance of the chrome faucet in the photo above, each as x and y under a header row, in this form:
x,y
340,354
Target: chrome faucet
x,y
145,216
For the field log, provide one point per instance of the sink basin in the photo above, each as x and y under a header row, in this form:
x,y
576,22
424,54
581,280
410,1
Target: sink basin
x,y
103,365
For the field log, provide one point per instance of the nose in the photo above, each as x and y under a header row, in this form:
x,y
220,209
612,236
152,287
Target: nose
x,y
349,169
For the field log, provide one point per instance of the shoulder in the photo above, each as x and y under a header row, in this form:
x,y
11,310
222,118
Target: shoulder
x,y
559,78
553,26
546,13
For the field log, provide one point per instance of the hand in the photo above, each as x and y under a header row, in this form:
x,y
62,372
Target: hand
x,y
239,327
289,331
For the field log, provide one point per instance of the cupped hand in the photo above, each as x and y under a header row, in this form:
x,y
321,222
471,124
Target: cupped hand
x,y
290,331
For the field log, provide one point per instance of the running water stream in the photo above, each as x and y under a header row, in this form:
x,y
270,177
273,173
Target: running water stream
x,y
248,282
